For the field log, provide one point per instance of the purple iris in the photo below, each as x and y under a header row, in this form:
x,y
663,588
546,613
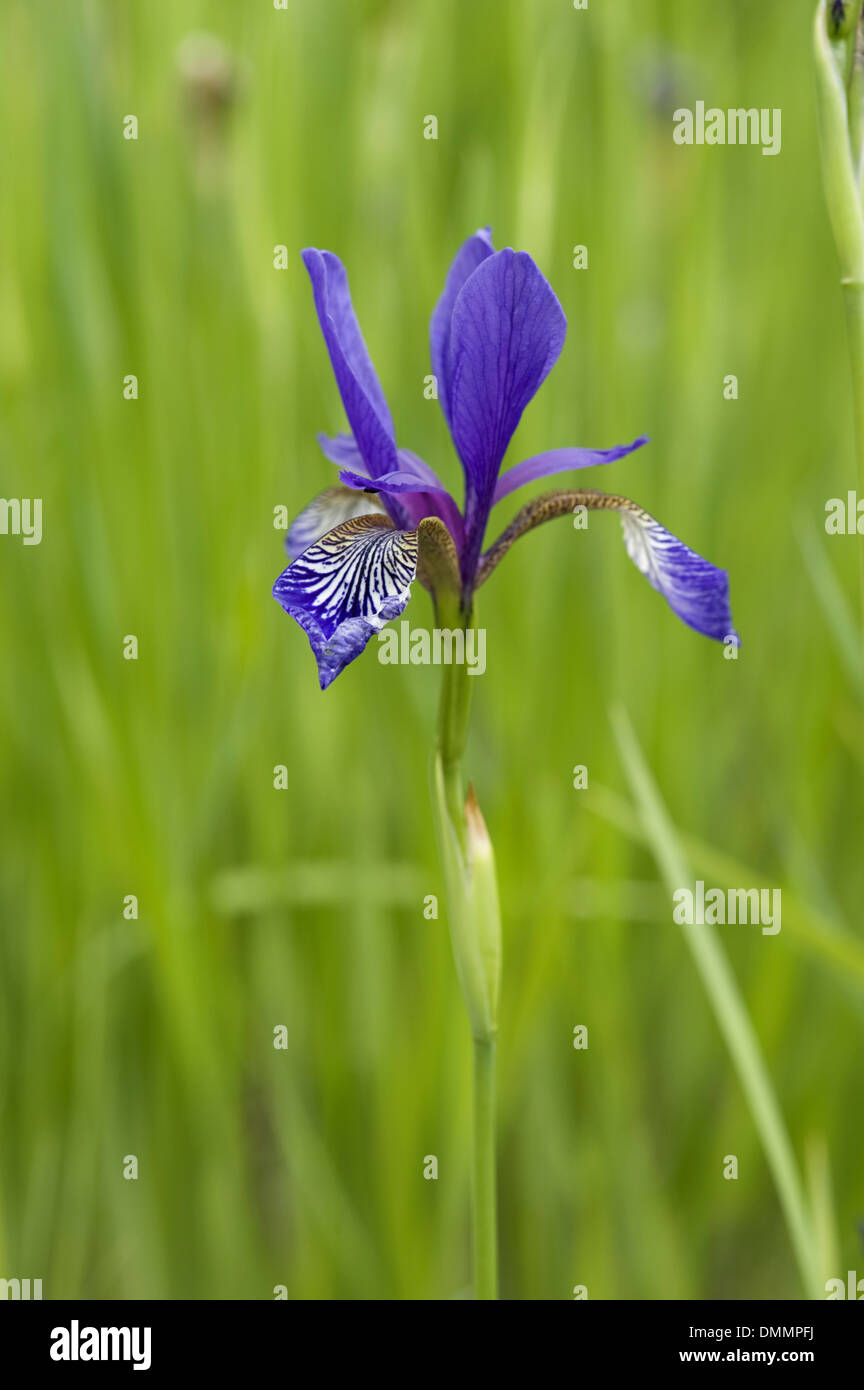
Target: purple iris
x,y
496,333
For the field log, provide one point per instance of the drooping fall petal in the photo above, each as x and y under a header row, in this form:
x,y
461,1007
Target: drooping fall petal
x,y
346,586
349,583
695,590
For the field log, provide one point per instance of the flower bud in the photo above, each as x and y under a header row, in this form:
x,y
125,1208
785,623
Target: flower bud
x,y
472,906
483,894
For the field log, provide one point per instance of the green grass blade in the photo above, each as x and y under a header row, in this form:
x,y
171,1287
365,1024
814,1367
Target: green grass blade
x,y
729,1009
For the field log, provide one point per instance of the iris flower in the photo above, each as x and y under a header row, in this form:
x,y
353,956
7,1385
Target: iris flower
x,y
496,332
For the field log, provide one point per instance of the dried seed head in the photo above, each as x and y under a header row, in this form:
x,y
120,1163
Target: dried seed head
x,y
209,75
211,81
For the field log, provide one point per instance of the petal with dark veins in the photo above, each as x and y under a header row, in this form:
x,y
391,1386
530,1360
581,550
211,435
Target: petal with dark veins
x,y
346,586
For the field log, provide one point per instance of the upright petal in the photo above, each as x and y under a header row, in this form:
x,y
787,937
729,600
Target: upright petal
x,y
470,254
359,387
507,333
346,586
695,590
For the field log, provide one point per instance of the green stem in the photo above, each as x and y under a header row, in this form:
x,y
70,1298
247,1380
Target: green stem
x,y
453,713
483,1191
474,922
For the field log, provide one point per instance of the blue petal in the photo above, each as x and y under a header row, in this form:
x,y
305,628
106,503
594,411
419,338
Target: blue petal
x,y
359,387
507,333
470,254
346,586
341,449
696,590
406,492
395,482
559,461
413,488
436,499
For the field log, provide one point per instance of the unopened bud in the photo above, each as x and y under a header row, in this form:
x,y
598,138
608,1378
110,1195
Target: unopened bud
x,y
472,905
483,896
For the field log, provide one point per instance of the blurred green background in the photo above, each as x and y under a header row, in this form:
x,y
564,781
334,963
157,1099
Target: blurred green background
x,y
303,907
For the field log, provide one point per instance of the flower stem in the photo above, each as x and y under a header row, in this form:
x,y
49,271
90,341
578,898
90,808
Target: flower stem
x,y
484,1199
452,734
475,933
